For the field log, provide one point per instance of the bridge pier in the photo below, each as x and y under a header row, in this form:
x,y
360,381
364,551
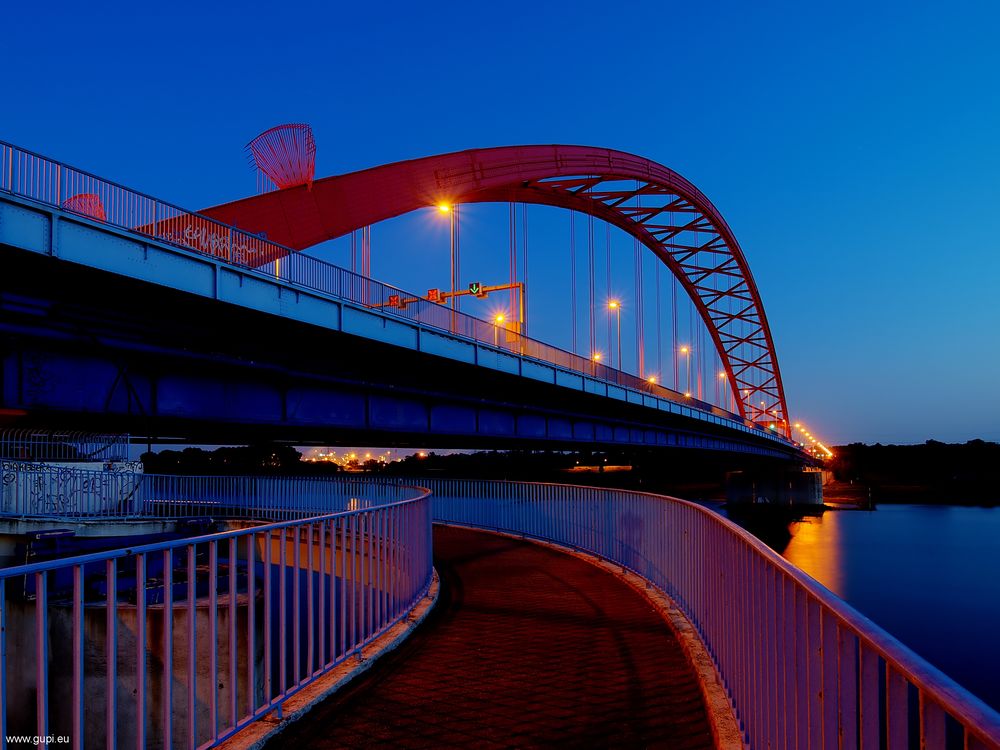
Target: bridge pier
x,y
775,487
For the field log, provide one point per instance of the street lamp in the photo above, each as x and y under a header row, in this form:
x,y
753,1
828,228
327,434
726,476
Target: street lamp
x,y
452,211
616,307
687,352
497,322
596,359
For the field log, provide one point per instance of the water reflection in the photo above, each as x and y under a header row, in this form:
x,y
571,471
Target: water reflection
x,y
815,548
927,574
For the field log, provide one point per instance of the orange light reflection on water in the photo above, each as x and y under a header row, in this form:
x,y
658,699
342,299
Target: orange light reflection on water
x,y
815,548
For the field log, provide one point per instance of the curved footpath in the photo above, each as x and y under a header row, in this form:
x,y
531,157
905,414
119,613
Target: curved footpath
x,y
527,647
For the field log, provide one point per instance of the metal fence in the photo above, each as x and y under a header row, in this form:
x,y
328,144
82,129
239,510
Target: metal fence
x,y
802,668
30,490
180,644
57,445
47,181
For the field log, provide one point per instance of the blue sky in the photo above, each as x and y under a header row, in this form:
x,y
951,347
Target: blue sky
x,y
853,148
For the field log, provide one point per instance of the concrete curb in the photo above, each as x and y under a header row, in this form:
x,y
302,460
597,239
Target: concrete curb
x,y
725,727
259,733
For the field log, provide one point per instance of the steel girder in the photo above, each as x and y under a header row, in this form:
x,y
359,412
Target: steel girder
x,y
666,212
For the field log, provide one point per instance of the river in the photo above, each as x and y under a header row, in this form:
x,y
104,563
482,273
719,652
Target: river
x,y
930,575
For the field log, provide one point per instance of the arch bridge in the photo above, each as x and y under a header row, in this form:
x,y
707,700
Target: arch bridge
x,y
231,280
654,204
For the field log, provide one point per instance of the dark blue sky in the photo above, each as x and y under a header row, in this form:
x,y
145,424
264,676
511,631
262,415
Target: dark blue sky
x,y
854,150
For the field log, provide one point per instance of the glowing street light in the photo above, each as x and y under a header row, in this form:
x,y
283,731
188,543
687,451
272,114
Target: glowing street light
x,y
497,322
452,211
686,351
616,307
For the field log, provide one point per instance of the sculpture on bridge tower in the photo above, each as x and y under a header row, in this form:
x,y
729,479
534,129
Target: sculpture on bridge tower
x,y
284,156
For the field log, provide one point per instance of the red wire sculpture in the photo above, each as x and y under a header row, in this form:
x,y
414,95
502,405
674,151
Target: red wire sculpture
x,y
286,154
87,204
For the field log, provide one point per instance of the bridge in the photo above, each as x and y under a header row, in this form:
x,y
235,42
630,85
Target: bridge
x,y
123,313
265,340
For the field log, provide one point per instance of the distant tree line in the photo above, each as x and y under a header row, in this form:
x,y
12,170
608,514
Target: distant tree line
x,y
932,472
264,458
684,473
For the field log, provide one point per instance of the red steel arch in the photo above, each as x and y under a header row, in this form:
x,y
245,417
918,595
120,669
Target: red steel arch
x,y
667,213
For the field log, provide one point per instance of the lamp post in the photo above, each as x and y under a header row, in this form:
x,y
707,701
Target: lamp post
x,y
497,322
687,381
452,211
616,307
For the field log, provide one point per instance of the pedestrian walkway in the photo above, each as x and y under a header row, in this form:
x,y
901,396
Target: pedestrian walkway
x,y
527,647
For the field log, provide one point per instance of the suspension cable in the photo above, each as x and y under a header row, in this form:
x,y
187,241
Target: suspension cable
x,y
639,332
512,229
659,323
673,337
524,267
607,254
572,283
590,258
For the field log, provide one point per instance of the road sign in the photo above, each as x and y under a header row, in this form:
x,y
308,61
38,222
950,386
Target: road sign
x,y
434,295
476,288
394,300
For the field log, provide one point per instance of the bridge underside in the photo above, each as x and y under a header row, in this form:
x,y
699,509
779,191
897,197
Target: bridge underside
x,y
88,348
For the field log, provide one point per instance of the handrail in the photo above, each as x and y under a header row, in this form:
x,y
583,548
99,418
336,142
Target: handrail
x,y
32,490
62,445
54,183
221,629
801,666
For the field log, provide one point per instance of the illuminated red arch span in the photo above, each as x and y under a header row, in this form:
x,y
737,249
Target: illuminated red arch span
x,y
663,210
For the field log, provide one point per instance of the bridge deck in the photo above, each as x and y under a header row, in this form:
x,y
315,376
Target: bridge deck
x,y
527,647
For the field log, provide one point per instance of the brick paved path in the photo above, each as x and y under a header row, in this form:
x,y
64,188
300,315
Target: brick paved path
x,y
527,647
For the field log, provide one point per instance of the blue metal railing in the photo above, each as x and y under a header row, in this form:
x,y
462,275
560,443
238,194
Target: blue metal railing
x,y
31,490
802,668
44,180
186,642
62,445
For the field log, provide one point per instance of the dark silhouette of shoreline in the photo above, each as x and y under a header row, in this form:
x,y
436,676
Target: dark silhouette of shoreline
x,y
930,473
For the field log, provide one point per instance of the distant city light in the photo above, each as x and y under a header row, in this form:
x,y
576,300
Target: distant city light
x,y
444,208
